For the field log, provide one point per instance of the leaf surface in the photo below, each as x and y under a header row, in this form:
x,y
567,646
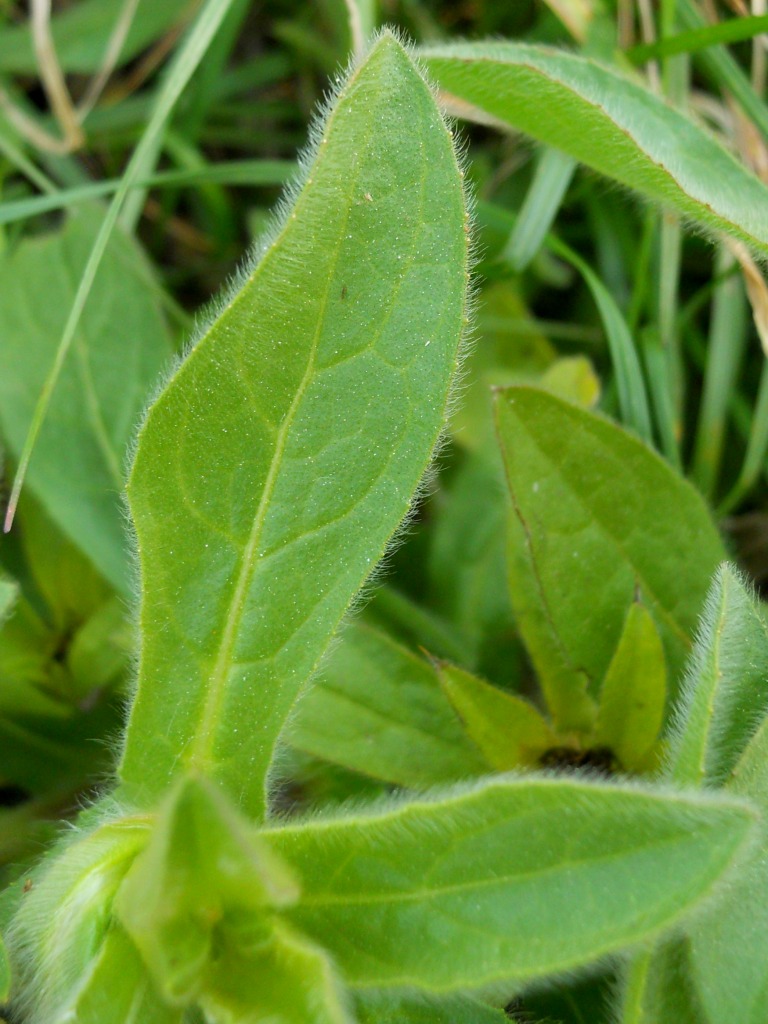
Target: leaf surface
x,y
597,516
730,938
508,730
724,693
610,123
634,691
379,710
388,1008
120,349
472,888
272,471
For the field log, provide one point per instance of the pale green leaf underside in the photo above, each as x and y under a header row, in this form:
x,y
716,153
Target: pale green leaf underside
x,y
725,687
609,123
379,710
276,465
122,344
597,517
477,887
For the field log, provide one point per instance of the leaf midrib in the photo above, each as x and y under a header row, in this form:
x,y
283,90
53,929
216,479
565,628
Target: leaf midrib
x,y
200,750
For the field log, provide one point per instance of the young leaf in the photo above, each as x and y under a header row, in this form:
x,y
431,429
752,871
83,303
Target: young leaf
x,y
118,990
122,345
285,979
508,730
634,691
57,938
473,887
730,938
272,471
659,987
596,516
200,871
611,124
724,691
379,710
388,1008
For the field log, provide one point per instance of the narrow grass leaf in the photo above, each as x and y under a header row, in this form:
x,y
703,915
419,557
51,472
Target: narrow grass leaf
x,y
611,124
233,172
634,691
448,893
121,346
724,695
378,709
733,30
633,398
550,183
273,469
597,516
79,33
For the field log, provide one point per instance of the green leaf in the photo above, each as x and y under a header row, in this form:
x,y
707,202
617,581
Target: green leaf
x,y
733,30
80,33
5,973
9,591
730,938
65,916
659,987
387,1008
202,872
285,979
449,893
119,990
508,730
634,691
597,517
466,566
272,471
379,710
723,694
67,581
611,124
121,346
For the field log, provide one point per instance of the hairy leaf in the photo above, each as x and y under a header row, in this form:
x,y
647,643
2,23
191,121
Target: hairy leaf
x,y
729,939
597,517
379,710
473,887
273,469
610,123
724,693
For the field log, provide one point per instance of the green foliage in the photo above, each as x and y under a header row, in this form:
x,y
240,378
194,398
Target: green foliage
x,y
527,780
283,516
